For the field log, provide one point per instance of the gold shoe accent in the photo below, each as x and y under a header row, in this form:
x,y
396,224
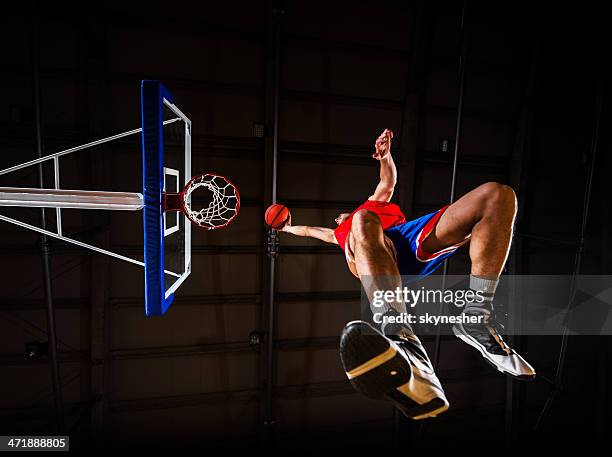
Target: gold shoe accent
x,y
372,363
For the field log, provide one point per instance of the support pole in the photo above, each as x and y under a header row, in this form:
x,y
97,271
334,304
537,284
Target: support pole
x,y
462,62
269,420
558,381
276,12
46,258
519,179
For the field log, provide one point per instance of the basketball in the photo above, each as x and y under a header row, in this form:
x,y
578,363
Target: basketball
x,y
277,216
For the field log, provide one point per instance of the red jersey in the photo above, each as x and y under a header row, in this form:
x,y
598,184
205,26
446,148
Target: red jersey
x,y
389,213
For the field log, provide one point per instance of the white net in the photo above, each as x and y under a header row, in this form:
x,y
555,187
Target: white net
x,y
223,206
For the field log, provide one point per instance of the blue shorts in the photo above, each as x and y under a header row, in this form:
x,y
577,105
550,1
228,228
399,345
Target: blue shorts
x,y
412,259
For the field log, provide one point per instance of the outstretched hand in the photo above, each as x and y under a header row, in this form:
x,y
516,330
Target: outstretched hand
x,y
383,145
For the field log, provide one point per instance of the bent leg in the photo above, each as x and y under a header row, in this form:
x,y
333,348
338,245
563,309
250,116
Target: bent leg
x,y
375,264
380,363
486,215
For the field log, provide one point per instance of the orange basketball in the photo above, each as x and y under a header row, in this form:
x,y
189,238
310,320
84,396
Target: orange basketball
x,y
277,216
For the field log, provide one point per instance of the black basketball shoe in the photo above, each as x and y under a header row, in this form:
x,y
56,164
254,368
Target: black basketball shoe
x,y
486,339
393,368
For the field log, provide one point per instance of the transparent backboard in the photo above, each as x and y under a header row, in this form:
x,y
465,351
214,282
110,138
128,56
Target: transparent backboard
x,y
166,143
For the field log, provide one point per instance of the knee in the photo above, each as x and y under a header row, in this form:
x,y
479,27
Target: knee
x,y
498,197
363,223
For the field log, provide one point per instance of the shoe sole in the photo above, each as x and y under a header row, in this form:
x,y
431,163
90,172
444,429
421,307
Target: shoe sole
x,y
376,369
428,410
470,341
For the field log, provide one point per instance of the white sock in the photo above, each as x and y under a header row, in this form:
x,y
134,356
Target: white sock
x,y
486,287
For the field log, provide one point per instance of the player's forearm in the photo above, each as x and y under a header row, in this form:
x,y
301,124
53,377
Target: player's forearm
x,y
320,233
305,230
388,172
298,230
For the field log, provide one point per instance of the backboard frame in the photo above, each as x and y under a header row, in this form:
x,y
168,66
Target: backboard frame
x,y
154,96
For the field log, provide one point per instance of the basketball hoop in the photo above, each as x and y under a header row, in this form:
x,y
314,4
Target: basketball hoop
x,y
209,201
222,209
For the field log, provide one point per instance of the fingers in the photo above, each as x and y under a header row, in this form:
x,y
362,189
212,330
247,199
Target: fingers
x,y
387,134
383,144
385,137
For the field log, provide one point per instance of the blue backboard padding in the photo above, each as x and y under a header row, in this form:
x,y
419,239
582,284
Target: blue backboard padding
x,y
152,107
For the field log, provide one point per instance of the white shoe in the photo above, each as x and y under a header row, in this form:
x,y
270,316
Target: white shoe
x,y
486,339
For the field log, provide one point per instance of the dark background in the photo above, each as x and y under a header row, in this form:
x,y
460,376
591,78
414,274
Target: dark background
x,y
348,69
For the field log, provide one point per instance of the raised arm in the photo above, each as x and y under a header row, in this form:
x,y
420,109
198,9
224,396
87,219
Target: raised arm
x,y
320,233
388,172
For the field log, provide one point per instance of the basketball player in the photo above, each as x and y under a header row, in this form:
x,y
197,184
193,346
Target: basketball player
x,y
380,245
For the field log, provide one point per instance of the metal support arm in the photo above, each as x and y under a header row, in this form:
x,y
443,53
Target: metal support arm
x,y
61,198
